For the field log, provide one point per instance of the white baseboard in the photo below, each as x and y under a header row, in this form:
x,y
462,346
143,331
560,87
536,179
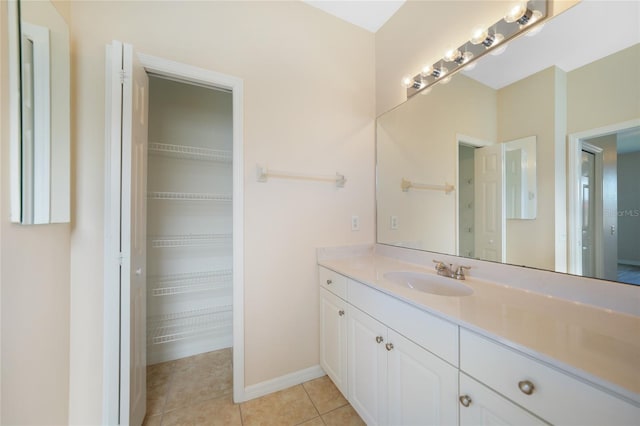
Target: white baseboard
x,y
629,262
282,382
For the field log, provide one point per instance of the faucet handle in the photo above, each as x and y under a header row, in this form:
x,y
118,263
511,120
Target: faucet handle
x,y
440,266
459,275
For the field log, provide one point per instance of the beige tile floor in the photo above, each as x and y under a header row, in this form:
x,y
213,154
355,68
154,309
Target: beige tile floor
x,y
198,391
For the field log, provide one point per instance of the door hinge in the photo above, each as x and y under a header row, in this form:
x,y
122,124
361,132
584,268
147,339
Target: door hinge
x,y
123,75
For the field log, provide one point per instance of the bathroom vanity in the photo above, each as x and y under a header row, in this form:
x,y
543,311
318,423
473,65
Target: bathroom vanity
x,y
501,354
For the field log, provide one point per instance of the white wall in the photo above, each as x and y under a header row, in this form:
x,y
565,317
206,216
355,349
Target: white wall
x,y
34,284
309,107
530,107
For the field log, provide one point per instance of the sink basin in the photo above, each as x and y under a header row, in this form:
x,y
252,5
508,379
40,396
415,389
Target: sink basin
x,y
429,283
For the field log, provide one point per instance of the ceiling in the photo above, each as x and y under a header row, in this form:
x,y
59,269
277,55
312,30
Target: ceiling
x,y
367,14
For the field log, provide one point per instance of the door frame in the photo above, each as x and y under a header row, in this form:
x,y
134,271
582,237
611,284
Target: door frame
x,y
112,313
574,149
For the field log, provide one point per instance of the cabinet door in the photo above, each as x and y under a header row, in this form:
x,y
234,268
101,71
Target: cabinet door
x,y
423,389
367,367
333,338
487,408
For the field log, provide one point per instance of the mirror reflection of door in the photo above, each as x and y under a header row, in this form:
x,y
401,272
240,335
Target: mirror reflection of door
x,y
588,210
609,209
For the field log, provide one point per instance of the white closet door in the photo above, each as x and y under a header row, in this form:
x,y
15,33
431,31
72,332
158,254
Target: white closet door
x,y
490,221
133,78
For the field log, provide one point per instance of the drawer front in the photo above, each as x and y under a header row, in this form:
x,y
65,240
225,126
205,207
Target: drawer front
x,y
333,281
432,333
485,407
556,397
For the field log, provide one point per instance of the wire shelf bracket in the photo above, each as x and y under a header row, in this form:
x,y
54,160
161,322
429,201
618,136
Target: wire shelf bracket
x,y
263,173
407,184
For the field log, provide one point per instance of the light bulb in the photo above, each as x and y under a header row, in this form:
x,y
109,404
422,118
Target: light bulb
x,y
427,70
479,35
451,55
407,81
516,12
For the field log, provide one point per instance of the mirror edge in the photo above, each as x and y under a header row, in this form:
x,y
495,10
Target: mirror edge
x,y
13,40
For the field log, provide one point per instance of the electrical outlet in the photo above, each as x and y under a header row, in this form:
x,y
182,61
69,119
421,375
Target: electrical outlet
x,y
355,223
394,222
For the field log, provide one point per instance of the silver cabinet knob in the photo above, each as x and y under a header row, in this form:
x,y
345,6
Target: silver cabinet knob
x,y
329,282
465,400
526,387
379,339
341,312
389,346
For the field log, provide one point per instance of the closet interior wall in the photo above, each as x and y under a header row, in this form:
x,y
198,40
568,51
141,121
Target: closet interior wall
x,y
189,220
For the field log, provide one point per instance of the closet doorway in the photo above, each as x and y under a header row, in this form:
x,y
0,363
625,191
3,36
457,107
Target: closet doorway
x,y
173,222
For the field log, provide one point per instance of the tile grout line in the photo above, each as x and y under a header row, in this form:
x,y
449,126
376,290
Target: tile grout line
x,y
312,401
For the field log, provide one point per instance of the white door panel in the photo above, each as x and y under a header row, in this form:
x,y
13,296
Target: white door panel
x,y
132,126
490,207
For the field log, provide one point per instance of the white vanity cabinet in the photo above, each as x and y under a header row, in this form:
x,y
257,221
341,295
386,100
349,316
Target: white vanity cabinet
x,y
549,393
333,338
394,381
391,378
406,366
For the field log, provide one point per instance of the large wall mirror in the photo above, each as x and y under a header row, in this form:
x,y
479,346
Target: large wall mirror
x,y
531,158
39,92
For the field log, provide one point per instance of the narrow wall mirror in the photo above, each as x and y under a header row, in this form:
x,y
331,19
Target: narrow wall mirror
x,y
39,102
529,157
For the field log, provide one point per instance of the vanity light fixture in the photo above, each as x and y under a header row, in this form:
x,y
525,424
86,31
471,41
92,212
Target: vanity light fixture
x,y
524,17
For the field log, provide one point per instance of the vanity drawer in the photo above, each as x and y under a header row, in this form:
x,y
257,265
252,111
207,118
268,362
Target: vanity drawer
x,y
432,333
332,281
556,397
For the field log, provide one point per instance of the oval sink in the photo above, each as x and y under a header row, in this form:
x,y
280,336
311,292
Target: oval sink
x,y
429,283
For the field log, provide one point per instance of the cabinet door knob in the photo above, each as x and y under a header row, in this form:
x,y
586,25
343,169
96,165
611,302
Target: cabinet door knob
x,y
341,312
329,282
526,387
465,400
389,346
379,339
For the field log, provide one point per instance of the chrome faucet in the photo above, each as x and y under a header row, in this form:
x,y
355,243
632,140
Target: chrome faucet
x,y
447,271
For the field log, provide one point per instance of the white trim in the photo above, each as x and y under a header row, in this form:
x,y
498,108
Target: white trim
x,y
573,188
41,74
283,382
111,326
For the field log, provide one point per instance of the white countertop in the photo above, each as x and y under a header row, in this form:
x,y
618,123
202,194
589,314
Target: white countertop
x,y
597,344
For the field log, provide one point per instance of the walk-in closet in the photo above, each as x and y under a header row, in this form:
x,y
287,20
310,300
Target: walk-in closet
x,y
189,220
